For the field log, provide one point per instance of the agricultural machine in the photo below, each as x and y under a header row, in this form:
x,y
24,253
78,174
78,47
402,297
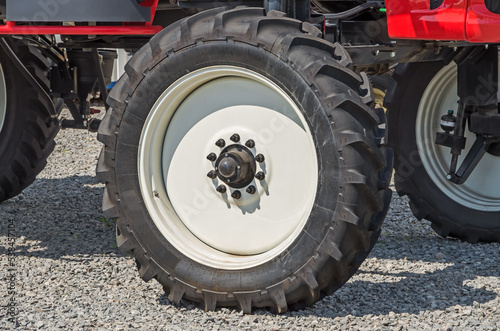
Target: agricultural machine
x,y
245,161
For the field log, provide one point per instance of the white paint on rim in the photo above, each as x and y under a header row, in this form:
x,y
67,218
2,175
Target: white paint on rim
x,y
3,98
181,130
482,190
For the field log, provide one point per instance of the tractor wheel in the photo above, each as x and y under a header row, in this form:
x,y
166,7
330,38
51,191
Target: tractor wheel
x,y
242,163
27,129
422,94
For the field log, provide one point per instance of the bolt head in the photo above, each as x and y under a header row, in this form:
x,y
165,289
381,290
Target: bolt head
x,y
235,137
212,174
221,189
259,158
236,195
251,189
212,157
220,143
260,175
250,143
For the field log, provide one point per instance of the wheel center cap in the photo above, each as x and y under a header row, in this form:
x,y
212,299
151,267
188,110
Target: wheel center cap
x,y
236,166
227,167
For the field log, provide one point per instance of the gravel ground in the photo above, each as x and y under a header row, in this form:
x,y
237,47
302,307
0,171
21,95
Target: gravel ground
x,y
70,275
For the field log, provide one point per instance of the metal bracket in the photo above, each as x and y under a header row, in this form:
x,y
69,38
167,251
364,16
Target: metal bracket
x,y
476,153
100,76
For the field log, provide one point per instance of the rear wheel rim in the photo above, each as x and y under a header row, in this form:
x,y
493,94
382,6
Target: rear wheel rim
x,y
480,192
3,99
208,226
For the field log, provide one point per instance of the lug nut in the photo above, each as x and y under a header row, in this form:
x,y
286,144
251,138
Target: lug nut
x,y
220,143
251,189
212,174
212,157
235,137
236,195
260,175
250,143
259,158
221,189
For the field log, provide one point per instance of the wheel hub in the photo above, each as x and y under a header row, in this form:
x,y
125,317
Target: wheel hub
x,y
235,166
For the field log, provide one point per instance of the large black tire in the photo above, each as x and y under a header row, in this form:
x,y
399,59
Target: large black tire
x,y
354,168
28,131
434,199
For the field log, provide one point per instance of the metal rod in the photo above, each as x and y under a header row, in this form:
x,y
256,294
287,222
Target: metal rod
x,y
100,76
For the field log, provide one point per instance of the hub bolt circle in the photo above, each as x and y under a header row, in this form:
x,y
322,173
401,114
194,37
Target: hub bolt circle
x,y
221,189
212,157
250,143
212,174
220,143
251,189
259,158
260,175
236,195
235,137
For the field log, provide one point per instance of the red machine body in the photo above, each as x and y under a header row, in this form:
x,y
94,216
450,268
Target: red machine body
x,y
461,20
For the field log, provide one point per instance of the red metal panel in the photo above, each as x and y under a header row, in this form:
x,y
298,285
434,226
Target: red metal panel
x,y
483,26
413,19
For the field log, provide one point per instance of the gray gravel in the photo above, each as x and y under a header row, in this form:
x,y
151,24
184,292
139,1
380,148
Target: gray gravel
x,y
70,274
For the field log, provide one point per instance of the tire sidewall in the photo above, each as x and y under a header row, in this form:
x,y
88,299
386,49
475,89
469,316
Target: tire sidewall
x,y
404,101
320,220
16,113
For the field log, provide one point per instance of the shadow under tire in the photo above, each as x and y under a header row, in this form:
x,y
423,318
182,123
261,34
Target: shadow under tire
x,y
245,59
422,94
28,130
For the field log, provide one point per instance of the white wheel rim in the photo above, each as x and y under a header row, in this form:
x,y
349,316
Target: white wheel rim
x,y
481,191
181,130
3,99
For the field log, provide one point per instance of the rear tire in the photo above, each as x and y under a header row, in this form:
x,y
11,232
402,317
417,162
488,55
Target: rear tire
x,y
27,129
422,94
273,66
